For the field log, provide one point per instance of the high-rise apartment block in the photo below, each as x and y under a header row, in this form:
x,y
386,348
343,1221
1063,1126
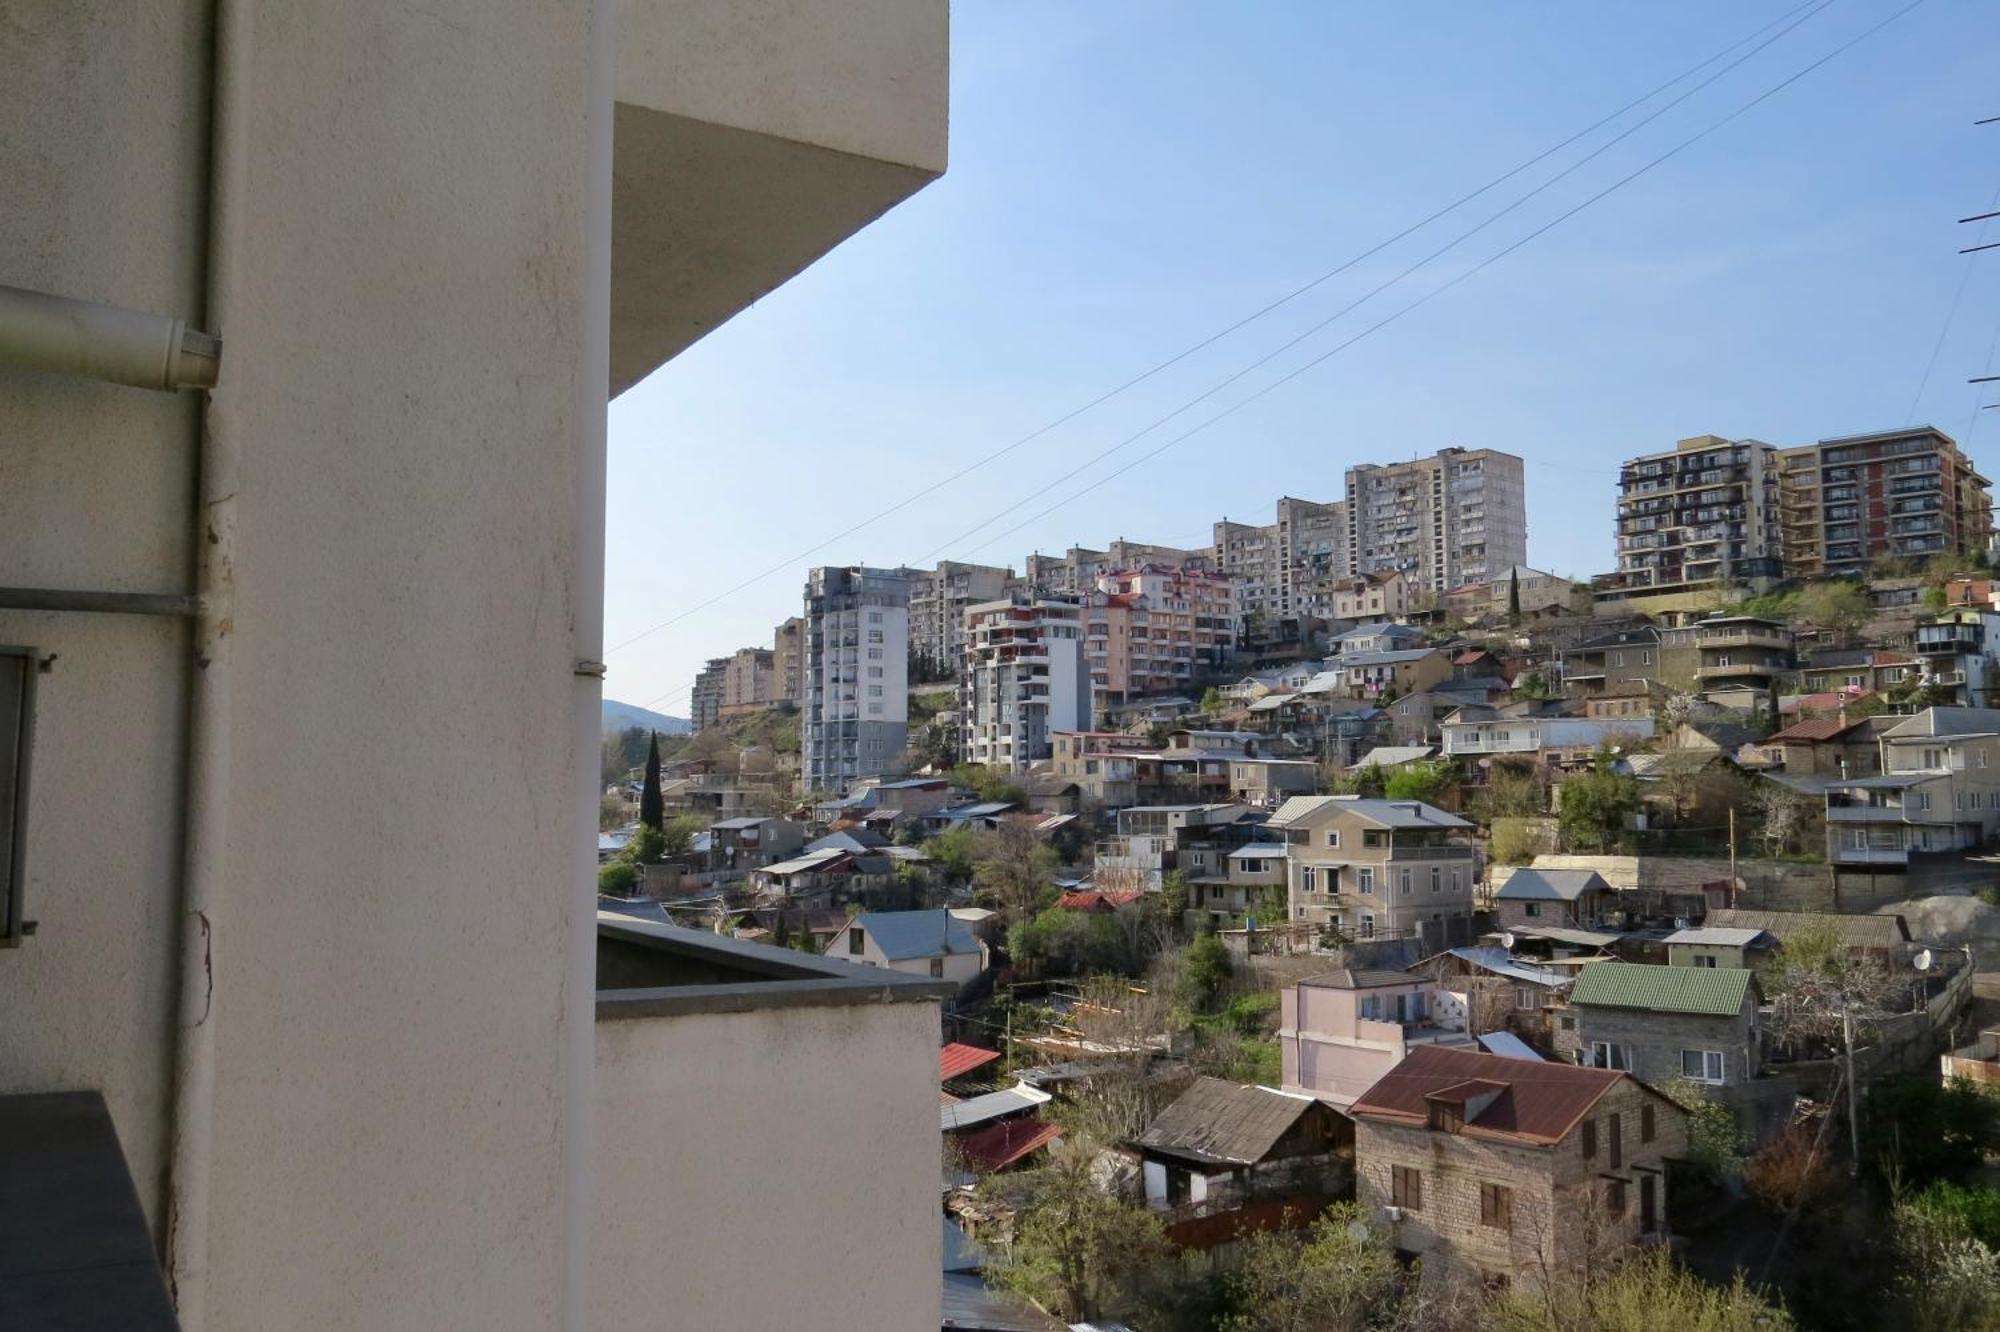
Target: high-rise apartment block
x,y
705,703
855,720
749,681
1458,516
1077,571
1704,511
938,601
1024,679
1286,570
788,661
1904,494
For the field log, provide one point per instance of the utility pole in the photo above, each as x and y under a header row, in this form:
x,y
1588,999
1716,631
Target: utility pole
x,y
1853,1107
1732,856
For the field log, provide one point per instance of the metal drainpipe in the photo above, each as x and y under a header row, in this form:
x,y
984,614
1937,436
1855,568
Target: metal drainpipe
x,y
70,337
208,767
579,1018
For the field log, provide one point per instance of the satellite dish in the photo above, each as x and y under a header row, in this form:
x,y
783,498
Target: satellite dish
x,y
1507,940
1922,961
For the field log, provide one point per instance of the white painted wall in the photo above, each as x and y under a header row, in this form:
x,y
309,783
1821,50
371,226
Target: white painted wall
x,y
770,1169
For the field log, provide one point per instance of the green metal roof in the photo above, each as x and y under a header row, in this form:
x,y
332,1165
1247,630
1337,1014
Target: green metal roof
x,y
1713,991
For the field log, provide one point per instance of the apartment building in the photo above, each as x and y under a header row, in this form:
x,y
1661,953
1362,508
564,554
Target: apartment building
x,y
705,701
1372,598
856,717
1459,516
1741,652
1564,742
1516,591
1703,512
788,661
1077,571
1938,790
1285,572
1960,651
939,599
1380,868
1252,558
749,681
352,646
1024,679
1899,494
1154,630
1152,839
1104,764
1513,1169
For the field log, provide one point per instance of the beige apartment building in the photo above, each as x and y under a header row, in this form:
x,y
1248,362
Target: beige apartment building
x,y
1901,494
1152,630
1458,516
1024,680
749,681
705,699
1380,868
788,661
1702,513
1288,570
1079,569
309,845
939,599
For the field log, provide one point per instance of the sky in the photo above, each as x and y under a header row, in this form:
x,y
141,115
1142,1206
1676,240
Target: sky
x,y
1128,179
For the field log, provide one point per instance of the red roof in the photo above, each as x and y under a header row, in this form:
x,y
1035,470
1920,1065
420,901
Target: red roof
x,y
1001,1145
1538,1105
955,1060
1092,899
1818,728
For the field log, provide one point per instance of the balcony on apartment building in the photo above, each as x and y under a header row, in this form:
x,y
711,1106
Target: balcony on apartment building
x,y
677,1009
1950,639
1743,634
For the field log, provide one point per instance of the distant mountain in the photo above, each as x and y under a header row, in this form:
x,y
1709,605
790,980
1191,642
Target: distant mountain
x,y
619,716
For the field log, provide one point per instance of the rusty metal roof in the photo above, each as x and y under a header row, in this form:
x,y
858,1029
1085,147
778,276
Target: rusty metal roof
x,y
1541,1103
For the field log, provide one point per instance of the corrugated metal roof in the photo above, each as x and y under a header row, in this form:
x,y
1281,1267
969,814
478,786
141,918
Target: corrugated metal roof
x,y
1542,1103
1349,978
1389,756
1224,1122
1731,937
1710,991
1501,963
998,1146
1858,931
956,1060
1259,851
1385,813
1551,885
977,1110
811,860
1508,1046
907,934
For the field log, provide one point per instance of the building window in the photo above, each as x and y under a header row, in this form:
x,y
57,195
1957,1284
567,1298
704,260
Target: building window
x,y
854,939
1496,1206
1365,881
1367,926
1406,880
1614,1197
1527,998
1589,1142
1406,1188
1333,837
1646,1124
1437,878
1702,1065
1614,1135
1606,1054
1531,909
937,968
1566,1022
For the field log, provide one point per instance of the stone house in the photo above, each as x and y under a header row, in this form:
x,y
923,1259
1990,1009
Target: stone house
x,y
1828,747
1266,783
1379,868
1254,1155
1338,1033
1718,946
1500,992
1697,1023
1537,897
1503,1168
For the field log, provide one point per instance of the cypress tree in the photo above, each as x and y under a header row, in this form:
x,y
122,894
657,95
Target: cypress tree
x,y
652,808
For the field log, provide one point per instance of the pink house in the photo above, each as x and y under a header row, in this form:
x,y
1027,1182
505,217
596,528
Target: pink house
x,y
1342,1031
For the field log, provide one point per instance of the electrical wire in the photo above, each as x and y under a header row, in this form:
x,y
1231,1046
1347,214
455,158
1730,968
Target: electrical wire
x,y
1210,340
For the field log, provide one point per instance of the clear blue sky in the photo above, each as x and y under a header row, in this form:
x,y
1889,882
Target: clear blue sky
x,y
1127,178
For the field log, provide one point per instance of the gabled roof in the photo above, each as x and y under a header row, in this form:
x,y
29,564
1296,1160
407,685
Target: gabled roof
x,y
1728,735
1501,963
754,821
956,1060
976,1110
1225,1122
1706,991
1942,722
1390,658
1384,813
1348,978
902,935
1858,931
811,860
1541,1104
1096,899
1818,730
1719,936
1390,756
1620,638
1552,885
856,841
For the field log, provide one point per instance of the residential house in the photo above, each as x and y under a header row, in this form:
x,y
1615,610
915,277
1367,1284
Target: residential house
x,y
1226,885
1415,717
1224,1160
1719,946
1507,1169
1559,742
1960,651
1372,598
1389,674
1938,791
1829,746
1103,763
1366,638
1267,783
1866,670
1638,698
1544,897
1499,992
1698,1023
1338,1033
921,943
743,844
970,814
812,879
1741,655
1612,661
1882,937
1151,839
1515,591
1379,868
1388,758
1049,793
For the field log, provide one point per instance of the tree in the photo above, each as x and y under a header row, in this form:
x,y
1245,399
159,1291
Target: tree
x,y
954,852
622,752
1368,781
1917,1132
1340,1275
617,878
1014,867
1428,781
1205,973
1647,1292
1076,1250
1714,1144
652,808
678,834
1595,807
1948,1279
648,844
1213,702
1783,816
1838,605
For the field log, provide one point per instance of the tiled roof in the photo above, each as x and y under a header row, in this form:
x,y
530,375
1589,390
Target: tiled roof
x,y
956,1060
1098,899
1222,1121
1710,991
1542,1102
1814,730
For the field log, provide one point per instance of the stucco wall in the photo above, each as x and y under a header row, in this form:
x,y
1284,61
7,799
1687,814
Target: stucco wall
x,y
102,128
767,1169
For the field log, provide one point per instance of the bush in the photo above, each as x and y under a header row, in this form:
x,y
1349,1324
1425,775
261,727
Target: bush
x,y
1205,972
617,879
1968,1211
1791,1173
1915,1132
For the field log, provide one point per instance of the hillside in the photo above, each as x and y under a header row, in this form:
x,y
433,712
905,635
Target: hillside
x,y
618,716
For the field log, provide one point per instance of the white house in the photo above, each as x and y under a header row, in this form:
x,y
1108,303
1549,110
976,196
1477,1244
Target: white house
x,y
1544,736
922,943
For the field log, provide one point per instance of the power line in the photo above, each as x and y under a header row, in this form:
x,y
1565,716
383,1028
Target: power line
x,y
1951,311
1373,292
1479,267
1213,338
